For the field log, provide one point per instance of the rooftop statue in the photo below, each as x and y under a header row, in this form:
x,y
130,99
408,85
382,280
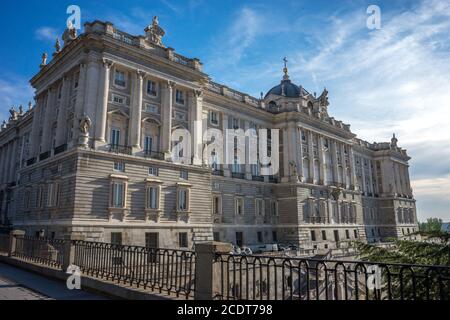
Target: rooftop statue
x,y
85,124
154,32
44,60
13,114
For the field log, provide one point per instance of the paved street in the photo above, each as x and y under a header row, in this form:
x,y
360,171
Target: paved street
x,y
17,284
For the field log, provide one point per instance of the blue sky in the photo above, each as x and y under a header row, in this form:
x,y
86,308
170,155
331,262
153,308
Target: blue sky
x,y
396,79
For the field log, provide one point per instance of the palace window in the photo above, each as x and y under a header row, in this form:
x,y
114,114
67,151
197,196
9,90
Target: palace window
x,y
53,194
116,238
217,204
118,99
313,235
274,207
152,88
213,118
239,206
119,166
260,237
183,199
153,193
235,123
274,236
324,235
148,144
153,171
119,79
259,206
151,108
115,137
179,97
118,190
183,239
184,175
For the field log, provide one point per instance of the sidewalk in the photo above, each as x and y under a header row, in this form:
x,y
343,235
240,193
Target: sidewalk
x,y
17,284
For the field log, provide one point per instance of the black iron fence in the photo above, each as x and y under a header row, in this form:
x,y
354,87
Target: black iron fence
x,y
45,251
163,270
276,278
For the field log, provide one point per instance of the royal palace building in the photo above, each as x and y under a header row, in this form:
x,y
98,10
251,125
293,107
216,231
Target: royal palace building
x,y
94,155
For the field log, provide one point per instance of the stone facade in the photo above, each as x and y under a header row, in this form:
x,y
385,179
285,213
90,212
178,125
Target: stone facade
x,y
94,155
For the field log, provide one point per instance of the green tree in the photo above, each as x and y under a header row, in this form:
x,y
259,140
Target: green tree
x,y
419,281
432,225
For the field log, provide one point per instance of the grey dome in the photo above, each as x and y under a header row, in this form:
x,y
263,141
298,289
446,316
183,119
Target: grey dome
x,y
286,89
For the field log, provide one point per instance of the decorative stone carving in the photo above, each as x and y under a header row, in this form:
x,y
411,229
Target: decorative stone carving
x,y
20,110
394,141
85,126
69,35
154,32
323,99
13,114
335,193
4,124
57,46
44,60
30,106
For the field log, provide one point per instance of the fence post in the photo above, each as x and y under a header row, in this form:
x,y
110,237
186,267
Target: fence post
x,y
204,268
69,249
13,235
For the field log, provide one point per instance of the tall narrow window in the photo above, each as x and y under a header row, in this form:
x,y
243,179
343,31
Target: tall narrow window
x,y
179,97
259,204
148,144
239,206
115,137
213,118
118,194
151,88
116,238
119,79
183,239
153,197
183,199
217,204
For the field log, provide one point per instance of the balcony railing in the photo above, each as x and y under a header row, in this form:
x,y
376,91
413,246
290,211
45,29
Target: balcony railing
x,y
238,175
217,172
120,149
44,156
31,161
154,155
258,178
273,179
60,149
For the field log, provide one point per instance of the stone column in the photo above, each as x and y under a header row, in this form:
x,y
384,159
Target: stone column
x,y
196,124
166,112
79,105
61,123
226,166
345,178
13,236
311,158
335,170
300,154
47,123
370,189
69,249
286,162
248,169
136,110
92,90
293,153
323,179
352,168
363,177
102,110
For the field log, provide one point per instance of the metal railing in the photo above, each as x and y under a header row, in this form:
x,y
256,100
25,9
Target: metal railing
x,y
60,149
154,155
120,149
48,252
171,271
277,278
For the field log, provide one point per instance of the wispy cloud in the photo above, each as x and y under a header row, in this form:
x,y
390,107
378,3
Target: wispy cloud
x,y
14,91
46,34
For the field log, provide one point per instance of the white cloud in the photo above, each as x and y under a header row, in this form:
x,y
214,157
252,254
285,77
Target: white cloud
x,y
14,91
46,33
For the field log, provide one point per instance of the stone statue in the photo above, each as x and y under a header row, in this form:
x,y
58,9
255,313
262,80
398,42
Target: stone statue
x,y
20,110
294,172
69,34
336,193
394,141
44,60
57,46
30,106
13,114
85,126
4,124
323,99
154,32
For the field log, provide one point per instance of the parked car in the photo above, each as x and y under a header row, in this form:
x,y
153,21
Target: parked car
x,y
235,250
246,251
